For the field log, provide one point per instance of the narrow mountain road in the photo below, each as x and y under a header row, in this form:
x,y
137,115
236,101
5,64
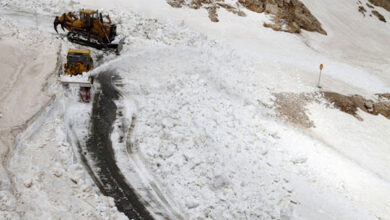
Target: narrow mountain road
x,y
106,173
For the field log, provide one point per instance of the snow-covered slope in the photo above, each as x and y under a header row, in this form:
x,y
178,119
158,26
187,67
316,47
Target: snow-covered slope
x,y
205,139
41,177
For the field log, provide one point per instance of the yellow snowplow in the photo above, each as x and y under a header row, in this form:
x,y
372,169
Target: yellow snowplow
x,y
78,62
76,72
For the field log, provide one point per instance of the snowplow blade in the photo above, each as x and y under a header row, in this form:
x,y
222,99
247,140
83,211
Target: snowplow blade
x,y
80,83
84,80
117,47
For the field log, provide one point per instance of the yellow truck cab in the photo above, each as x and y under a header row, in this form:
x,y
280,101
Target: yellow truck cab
x,y
78,62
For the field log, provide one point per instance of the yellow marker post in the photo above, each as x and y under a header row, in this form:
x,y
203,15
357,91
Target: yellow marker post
x,y
319,78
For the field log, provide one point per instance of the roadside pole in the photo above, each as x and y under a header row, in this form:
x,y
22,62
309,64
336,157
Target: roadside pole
x,y
319,78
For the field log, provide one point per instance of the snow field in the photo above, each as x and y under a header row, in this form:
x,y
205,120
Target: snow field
x,y
209,152
190,83
211,137
213,161
353,39
203,138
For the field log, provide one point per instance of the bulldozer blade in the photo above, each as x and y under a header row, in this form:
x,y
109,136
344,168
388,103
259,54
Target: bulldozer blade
x,y
118,47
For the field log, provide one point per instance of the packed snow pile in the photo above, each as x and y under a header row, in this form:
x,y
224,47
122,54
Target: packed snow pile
x,y
200,127
214,161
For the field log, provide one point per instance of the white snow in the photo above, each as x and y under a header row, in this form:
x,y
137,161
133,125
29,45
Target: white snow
x,y
41,177
202,141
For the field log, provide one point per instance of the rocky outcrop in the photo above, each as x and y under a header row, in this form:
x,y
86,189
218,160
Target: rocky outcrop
x,y
378,3
288,15
379,16
211,6
381,3
291,107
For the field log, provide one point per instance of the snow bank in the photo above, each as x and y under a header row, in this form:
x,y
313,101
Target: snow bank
x,y
208,151
23,94
42,177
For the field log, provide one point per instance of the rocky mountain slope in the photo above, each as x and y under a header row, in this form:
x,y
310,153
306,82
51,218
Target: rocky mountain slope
x,y
287,15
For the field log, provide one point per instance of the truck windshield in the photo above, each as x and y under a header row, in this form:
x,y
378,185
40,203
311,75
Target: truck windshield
x,y
74,58
94,16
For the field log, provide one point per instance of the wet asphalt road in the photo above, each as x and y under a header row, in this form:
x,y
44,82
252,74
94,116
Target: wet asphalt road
x,y
106,173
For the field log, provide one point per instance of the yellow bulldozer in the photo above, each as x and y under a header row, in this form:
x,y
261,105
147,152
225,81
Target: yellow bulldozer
x,y
90,28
